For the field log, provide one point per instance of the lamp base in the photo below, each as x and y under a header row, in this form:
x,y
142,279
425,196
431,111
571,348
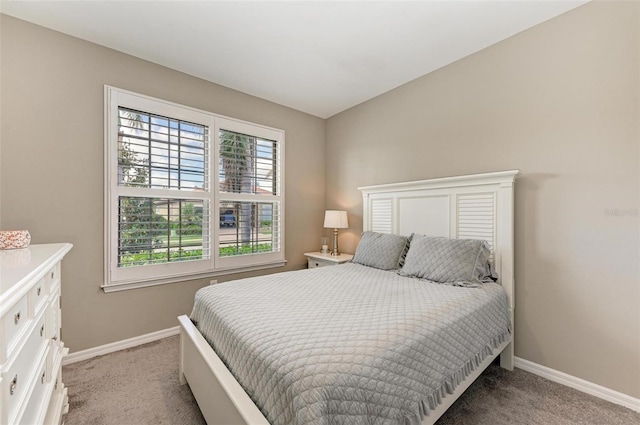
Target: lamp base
x,y
334,251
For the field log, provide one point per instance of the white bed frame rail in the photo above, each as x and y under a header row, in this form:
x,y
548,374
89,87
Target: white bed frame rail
x,y
477,206
220,397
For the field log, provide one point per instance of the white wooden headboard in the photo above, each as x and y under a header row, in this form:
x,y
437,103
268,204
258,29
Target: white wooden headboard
x,y
478,206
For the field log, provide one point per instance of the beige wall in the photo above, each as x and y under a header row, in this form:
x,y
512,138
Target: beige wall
x,y
52,169
560,102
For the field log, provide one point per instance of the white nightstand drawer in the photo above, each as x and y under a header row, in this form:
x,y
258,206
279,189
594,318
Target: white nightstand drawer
x,y
313,263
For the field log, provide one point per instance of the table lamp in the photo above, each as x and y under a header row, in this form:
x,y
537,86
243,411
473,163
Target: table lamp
x,y
335,220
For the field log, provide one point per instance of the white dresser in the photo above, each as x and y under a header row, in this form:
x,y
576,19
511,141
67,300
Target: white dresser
x,y
31,352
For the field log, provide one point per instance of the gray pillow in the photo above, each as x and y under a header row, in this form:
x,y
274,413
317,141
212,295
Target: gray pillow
x,y
405,250
459,262
379,250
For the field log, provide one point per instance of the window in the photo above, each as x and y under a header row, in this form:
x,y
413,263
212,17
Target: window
x,y
188,193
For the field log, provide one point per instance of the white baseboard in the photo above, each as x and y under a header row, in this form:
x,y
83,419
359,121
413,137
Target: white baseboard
x,y
579,384
81,355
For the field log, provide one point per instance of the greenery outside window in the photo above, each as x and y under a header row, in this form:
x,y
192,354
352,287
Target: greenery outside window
x,y
182,203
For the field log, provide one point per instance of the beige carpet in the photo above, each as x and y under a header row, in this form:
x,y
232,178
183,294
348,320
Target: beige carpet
x,y
140,386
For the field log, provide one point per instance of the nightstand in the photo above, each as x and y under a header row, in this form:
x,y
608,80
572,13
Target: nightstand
x,y
315,259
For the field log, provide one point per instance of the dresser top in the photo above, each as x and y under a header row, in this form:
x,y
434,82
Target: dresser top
x,y
18,267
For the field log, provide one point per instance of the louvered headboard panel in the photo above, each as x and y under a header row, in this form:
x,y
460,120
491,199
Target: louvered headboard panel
x,y
477,217
478,206
382,215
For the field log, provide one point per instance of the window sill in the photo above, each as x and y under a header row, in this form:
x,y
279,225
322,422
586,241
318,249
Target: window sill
x,y
125,286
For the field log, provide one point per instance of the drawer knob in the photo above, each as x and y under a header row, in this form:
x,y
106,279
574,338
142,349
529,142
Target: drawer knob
x,y
52,275
42,330
16,318
38,291
13,385
55,337
42,377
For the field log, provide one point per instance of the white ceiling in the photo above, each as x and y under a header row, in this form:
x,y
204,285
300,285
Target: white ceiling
x,y
320,57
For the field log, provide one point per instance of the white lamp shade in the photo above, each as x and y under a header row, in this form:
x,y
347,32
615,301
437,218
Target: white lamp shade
x,y
335,219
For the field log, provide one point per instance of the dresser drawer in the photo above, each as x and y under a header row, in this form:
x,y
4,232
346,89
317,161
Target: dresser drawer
x,y
53,318
15,323
36,408
52,277
18,375
59,403
38,296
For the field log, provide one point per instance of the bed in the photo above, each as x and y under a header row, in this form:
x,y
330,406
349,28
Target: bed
x,y
273,366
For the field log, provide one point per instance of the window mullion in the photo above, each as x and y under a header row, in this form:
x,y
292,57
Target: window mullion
x,y
179,153
150,150
160,193
150,230
248,197
169,220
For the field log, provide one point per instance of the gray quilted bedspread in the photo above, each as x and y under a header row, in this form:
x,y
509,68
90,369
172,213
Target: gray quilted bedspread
x,y
349,344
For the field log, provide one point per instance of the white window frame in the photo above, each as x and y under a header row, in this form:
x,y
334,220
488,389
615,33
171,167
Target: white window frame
x,y
121,278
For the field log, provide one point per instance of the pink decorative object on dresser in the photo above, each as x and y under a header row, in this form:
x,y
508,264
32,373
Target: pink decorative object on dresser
x,y
14,239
